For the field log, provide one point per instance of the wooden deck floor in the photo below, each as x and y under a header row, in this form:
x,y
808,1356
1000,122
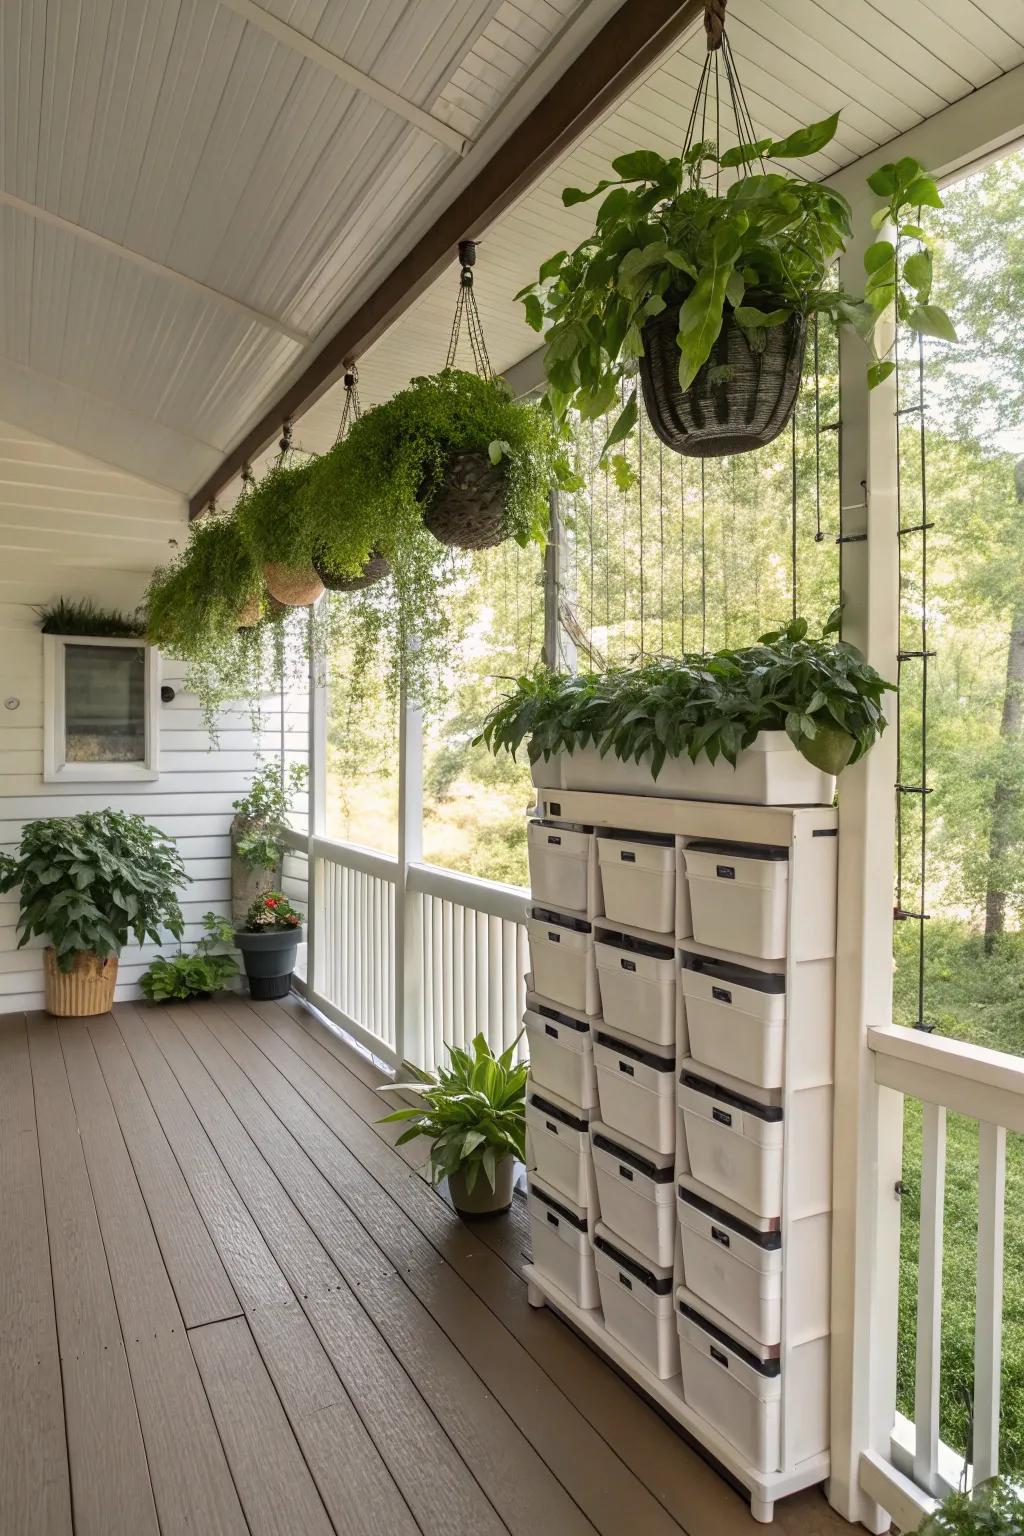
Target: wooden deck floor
x,y
229,1305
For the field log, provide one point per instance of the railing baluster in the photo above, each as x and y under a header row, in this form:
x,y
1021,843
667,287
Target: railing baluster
x,y
988,1327
493,976
479,942
929,1295
437,954
509,984
468,941
459,1033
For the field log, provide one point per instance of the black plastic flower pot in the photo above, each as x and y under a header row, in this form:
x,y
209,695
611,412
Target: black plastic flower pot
x,y
740,400
269,960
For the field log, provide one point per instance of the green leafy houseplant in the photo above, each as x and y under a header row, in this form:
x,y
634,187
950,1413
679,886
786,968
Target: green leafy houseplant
x,y
474,1113
197,974
262,814
995,1508
82,617
88,883
755,255
822,693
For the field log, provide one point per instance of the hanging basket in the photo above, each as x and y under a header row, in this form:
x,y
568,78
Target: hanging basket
x,y
295,586
375,569
251,612
740,399
467,510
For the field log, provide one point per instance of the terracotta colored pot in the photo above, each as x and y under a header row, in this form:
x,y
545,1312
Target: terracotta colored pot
x,y
87,989
483,1200
295,586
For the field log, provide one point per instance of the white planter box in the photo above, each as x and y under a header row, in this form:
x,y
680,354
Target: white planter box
x,y
561,1052
562,958
547,775
561,1244
638,986
559,865
734,1267
558,1147
734,1142
736,1017
637,1302
639,882
738,897
636,1193
769,772
736,1390
636,1088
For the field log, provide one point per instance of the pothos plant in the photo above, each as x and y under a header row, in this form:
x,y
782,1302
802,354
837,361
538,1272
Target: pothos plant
x,y
756,254
821,692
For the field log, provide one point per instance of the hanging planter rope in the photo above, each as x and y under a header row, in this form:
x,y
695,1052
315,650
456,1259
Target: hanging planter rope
x,y
376,567
295,586
741,398
466,510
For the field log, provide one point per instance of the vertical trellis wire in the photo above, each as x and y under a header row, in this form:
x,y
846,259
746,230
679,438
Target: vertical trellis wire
x,y
793,496
703,559
640,492
661,542
682,557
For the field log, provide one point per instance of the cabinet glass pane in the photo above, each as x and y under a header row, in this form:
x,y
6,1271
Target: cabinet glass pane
x,y
104,704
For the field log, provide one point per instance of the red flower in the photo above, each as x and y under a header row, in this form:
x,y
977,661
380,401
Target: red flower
x,y
270,902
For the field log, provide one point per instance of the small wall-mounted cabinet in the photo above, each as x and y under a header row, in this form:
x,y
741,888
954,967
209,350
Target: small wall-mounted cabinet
x,y
101,717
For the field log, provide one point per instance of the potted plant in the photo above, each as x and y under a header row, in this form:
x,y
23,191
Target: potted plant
x,y
269,940
708,292
82,617
786,715
199,974
994,1508
261,817
474,1112
87,884
273,522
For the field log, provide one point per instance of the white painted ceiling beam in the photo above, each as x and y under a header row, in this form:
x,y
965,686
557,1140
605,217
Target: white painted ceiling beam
x,y
298,42
90,236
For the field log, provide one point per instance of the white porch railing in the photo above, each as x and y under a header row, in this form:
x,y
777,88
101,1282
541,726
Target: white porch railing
x,y
464,948
986,1086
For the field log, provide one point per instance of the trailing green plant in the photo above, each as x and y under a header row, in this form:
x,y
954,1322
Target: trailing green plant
x,y
271,912
89,882
822,693
474,1111
759,252
263,813
81,616
199,973
994,1508
273,518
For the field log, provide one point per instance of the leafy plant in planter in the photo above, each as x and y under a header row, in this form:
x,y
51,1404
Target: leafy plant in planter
x,y
269,940
199,974
822,693
474,1112
88,883
708,292
995,1508
262,813
82,617
274,523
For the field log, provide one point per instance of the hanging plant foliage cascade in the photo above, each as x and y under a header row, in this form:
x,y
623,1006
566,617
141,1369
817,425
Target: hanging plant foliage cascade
x,y
376,566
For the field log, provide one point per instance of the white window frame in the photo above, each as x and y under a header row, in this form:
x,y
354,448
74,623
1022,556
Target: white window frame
x,y
56,769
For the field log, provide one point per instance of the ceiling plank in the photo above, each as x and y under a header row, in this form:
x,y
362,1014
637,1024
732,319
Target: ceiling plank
x,y
298,42
628,46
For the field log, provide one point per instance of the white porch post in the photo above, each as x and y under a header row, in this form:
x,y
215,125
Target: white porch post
x,y
409,904
868,1119
316,819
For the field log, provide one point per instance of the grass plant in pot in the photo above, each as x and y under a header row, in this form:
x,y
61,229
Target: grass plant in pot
x,y
88,884
269,939
474,1113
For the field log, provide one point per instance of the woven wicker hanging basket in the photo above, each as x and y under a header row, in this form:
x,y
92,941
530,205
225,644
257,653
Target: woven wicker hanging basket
x,y
740,399
375,569
251,612
295,586
467,509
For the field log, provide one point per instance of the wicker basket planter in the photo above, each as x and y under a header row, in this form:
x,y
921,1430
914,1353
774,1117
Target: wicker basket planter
x,y
85,990
251,613
740,400
467,510
375,569
295,586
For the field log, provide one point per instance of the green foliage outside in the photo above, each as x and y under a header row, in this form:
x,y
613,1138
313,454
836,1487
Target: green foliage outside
x,y
996,1508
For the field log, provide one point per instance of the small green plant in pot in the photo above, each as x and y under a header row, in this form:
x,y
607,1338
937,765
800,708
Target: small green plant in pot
x,y
994,1508
88,884
257,832
269,940
474,1113
199,973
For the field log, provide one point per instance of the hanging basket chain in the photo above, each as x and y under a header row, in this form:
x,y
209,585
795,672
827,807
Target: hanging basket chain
x,y
714,23
710,77
352,409
285,445
466,309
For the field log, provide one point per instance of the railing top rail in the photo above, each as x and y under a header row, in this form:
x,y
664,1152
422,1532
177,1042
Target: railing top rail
x,y
487,896
969,1079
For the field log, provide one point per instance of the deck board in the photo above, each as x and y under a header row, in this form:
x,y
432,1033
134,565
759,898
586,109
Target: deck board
x,y
261,1311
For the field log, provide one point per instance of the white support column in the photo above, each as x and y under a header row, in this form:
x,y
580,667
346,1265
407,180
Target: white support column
x,y
988,1327
316,753
559,652
868,1120
409,904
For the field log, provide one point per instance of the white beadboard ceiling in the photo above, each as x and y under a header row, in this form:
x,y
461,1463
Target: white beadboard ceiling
x,y
190,202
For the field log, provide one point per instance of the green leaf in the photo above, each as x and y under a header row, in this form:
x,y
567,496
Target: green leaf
x,y
742,154
640,165
879,372
917,269
880,216
623,426
700,317
923,192
552,266
751,318
883,181
498,449
534,311
931,320
573,195
805,141
735,288
880,254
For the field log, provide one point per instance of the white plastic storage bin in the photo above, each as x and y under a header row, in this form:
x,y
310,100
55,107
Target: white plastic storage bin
x,y
637,1302
736,1017
738,1390
738,896
561,1243
561,1052
559,865
636,1192
734,1141
558,1146
637,981
734,1267
638,877
562,958
636,1088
